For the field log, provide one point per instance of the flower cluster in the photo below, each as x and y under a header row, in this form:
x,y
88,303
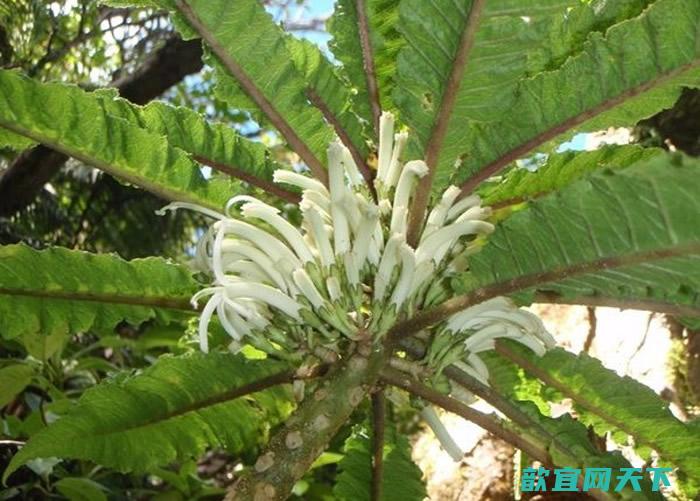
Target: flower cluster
x,y
348,273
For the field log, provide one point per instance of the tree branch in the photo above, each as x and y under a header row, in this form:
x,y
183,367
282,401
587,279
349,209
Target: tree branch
x,y
251,89
306,433
30,171
442,121
378,423
491,424
592,329
368,63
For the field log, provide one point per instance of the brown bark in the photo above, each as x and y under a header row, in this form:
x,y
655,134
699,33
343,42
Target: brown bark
x,y
31,170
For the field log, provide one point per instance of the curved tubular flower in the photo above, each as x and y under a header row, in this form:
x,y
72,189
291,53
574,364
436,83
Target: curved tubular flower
x,y
271,216
439,242
204,319
173,206
241,248
244,268
266,294
319,234
438,216
413,170
321,201
354,176
403,285
269,244
394,170
250,313
386,266
462,205
386,145
298,180
447,443
347,272
308,289
226,316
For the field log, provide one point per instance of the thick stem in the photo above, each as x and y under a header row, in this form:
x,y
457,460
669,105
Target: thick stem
x,y
293,449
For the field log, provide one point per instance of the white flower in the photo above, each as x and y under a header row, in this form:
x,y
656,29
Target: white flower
x,y
386,145
394,170
266,294
308,289
271,216
350,262
446,441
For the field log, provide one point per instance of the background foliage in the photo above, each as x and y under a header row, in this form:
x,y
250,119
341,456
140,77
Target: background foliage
x,y
48,199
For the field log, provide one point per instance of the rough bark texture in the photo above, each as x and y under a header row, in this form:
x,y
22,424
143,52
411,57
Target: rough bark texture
x,y
679,125
30,171
304,437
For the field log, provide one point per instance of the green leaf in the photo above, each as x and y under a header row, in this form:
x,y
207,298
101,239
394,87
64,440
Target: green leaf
x,y
384,44
402,478
617,404
14,141
60,291
56,115
214,144
171,411
634,69
250,48
518,66
329,94
630,235
461,65
559,170
81,489
568,440
13,380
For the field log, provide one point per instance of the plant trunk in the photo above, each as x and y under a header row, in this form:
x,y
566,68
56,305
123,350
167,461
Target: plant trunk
x,y
306,434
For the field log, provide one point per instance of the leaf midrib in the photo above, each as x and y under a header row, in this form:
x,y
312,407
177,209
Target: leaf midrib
x,y
442,120
519,151
142,181
481,294
214,400
114,299
541,374
250,87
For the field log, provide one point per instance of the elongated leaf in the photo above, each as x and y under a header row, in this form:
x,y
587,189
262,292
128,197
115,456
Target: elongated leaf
x,y
13,380
171,411
617,404
635,69
13,141
252,50
329,94
531,71
568,440
461,63
626,234
559,170
382,42
75,122
402,478
214,144
81,489
63,291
